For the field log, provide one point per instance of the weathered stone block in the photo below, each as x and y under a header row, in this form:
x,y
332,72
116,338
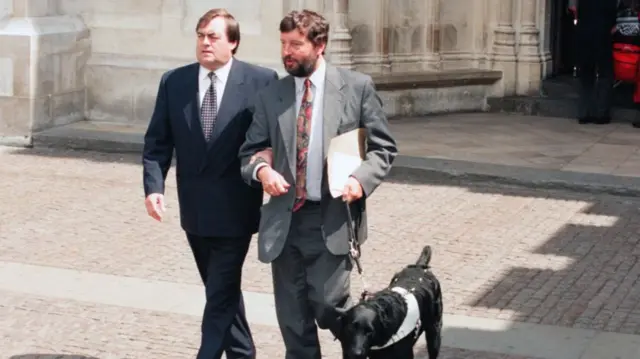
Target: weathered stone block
x,y
42,70
19,117
145,89
6,74
15,117
128,6
109,98
14,44
34,8
68,107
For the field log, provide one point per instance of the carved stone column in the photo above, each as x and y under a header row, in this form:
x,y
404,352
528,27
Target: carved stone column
x,y
503,52
430,31
404,22
367,24
412,35
339,49
529,65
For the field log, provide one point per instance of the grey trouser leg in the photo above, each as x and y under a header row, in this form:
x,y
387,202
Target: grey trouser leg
x,y
309,282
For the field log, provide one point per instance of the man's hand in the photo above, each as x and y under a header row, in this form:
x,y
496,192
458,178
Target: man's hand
x,y
266,155
155,206
352,190
272,182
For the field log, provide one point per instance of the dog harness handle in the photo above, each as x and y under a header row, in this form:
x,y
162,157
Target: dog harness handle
x,y
354,251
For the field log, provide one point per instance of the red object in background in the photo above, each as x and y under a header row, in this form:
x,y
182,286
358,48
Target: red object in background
x,y
626,59
625,62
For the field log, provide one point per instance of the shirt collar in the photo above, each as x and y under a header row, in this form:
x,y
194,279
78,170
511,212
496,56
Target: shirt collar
x,y
317,77
222,73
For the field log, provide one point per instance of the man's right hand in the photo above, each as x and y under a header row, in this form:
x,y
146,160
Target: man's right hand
x,y
155,206
272,182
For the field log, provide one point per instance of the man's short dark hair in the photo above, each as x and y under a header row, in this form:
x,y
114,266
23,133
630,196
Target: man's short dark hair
x,y
313,25
233,27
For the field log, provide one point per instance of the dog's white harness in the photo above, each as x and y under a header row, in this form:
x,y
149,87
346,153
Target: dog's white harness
x,y
411,323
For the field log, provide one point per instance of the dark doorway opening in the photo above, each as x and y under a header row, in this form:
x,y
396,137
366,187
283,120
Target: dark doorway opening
x,y
562,82
562,39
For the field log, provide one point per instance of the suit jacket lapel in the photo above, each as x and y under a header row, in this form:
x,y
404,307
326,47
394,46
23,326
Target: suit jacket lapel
x,y
287,120
232,100
333,106
192,108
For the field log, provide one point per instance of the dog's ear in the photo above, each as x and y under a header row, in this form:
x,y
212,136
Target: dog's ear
x,y
341,313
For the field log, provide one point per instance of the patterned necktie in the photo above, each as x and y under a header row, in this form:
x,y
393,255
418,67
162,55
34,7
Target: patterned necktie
x,y
209,109
302,145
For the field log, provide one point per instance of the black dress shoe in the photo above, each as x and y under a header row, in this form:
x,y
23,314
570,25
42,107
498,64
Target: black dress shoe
x,y
602,120
635,124
585,120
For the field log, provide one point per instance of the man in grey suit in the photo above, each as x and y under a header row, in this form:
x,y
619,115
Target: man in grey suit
x,y
303,230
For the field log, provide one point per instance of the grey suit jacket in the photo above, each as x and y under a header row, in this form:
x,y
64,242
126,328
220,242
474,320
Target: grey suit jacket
x,y
350,102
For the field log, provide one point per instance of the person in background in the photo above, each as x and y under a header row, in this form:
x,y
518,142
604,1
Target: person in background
x,y
203,111
594,54
626,34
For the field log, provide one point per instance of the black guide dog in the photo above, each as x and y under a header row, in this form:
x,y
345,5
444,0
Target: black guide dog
x,y
387,324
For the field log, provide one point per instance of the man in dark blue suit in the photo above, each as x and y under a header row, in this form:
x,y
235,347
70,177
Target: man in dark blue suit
x,y
203,111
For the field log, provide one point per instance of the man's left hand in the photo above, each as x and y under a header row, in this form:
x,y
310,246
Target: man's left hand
x,y
352,190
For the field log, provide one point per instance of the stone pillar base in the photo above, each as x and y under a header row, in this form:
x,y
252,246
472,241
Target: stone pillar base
x,y
42,68
507,84
529,78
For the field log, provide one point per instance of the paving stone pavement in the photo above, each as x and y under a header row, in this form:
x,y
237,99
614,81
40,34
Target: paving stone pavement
x,y
41,326
559,258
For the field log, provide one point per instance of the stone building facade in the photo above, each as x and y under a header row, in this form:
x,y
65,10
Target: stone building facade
x,y
63,61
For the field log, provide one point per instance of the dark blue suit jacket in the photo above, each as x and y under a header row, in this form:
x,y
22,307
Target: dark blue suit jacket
x,y
214,200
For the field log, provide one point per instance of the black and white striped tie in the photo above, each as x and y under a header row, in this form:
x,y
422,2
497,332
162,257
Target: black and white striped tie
x,y
209,110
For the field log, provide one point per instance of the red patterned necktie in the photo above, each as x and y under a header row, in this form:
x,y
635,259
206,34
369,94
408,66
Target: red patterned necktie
x,y
302,145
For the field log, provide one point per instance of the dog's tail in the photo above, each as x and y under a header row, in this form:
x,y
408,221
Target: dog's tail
x,y
425,257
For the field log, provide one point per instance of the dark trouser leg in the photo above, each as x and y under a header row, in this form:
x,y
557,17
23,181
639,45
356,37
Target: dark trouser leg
x,y
587,75
309,282
224,325
604,86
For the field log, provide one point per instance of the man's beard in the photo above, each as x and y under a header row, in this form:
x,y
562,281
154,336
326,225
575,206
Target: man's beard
x,y
301,69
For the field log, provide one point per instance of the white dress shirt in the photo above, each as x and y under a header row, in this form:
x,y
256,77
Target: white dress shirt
x,y
221,76
315,156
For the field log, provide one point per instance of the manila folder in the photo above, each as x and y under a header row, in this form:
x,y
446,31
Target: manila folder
x,y
344,156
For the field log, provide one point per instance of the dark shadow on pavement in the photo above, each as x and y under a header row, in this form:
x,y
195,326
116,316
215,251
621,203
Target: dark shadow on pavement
x,y
585,273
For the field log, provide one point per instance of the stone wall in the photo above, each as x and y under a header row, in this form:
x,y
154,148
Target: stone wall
x,y
134,42
66,60
400,36
43,56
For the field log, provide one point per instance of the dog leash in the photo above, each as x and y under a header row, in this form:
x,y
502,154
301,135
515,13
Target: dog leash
x,y
354,252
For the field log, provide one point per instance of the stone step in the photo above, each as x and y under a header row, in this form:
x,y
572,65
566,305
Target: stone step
x,y
559,98
424,93
551,107
93,135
